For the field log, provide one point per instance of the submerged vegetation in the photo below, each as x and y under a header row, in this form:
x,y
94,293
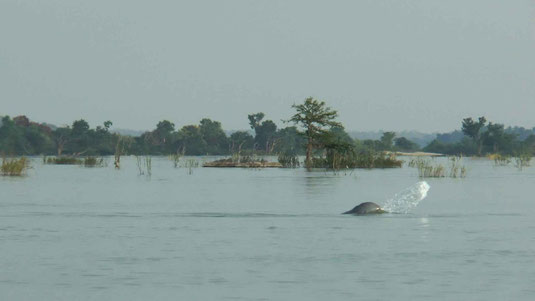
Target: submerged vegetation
x,y
144,165
244,162
63,160
430,169
522,160
89,161
94,162
190,164
14,166
176,159
500,160
288,160
352,159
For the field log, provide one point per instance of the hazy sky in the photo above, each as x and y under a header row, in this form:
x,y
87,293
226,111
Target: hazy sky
x,y
392,65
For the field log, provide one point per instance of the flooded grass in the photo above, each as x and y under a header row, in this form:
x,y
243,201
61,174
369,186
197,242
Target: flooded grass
x,y
288,160
144,165
64,160
500,160
338,160
14,167
429,169
522,160
94,162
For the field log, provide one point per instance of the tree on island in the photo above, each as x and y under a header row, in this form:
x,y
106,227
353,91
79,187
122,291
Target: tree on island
x,y
265,132
314,117
473,130
387,140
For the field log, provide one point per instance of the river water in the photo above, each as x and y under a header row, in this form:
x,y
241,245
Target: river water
x,y
75,233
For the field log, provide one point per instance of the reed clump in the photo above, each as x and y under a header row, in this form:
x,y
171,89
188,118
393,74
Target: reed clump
x,y
14,166
64,160
190,164
94,162
428,169
176,159
337,160
522,160
144,165
500,160
457,169
288,160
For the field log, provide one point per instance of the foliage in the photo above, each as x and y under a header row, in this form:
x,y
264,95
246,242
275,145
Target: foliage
x,y
214,136
314,116
314,123
337,161
485,139
191,141
473,130
14,166
404,144
240,140
387,140
265,132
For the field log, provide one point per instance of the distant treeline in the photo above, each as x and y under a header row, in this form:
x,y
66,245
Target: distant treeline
x,y
20,136
478,138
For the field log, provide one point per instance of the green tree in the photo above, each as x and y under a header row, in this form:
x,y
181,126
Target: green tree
x,y
241,140
255,119
12,140
265,134
80,137
163,131
314,116
107,125
405,144
289,141
387,140
79,128
190,140
61,137
473,130
215,137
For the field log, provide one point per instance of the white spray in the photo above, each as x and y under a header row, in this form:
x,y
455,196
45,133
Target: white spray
x,y
404,201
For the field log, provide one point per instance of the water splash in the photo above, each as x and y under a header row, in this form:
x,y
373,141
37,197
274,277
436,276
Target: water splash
x,y
404,201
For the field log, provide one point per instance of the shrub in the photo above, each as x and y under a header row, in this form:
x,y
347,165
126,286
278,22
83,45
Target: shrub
x,y
500,160
522,160
428,169
352,159
14,166
94,162
62,160
288,160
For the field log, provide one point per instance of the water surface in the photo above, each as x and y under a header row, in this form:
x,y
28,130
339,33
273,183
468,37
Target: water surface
x,y
74,233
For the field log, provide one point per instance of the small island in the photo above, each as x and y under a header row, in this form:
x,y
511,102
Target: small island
x,y
246,164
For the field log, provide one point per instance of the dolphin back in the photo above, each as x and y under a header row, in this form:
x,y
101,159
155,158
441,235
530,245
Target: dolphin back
x,y
366,208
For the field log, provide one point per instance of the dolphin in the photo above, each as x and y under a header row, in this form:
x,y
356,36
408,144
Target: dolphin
x,y
366,208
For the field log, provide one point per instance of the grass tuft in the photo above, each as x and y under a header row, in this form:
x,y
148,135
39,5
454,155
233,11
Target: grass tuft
x,y
14,167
